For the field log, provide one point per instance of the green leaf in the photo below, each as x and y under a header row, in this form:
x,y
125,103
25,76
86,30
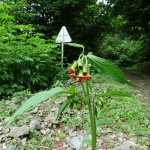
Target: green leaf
x,y
74,45
71,91
65,104
87,128
115,94
87,141
99,122
103,111
108,69
33,101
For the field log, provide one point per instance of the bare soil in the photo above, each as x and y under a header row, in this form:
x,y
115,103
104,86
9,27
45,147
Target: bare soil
x,y
144,85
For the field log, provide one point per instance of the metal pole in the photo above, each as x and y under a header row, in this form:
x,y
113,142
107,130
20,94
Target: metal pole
x,y
62,52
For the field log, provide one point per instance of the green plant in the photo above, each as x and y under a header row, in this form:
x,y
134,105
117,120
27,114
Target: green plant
x,y
103,66
61,134
27,60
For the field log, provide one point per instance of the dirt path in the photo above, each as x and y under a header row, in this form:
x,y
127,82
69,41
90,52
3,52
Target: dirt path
x,y
144,85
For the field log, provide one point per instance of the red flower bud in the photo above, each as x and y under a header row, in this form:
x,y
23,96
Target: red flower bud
x,y
80,76
73,75
73,68
88,76
85,70
80,63
78,80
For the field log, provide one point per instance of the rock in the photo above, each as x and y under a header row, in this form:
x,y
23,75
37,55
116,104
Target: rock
x,y
24,140
65,145
69,129
68,139
76,142
34,111
127,145
40,113
48,131
19,131
7,119
43,132
34,124
69,148
89,148
49,125
54,109
4,146
52,117
1,128
143,147
145,138
2,138
73,133
54,126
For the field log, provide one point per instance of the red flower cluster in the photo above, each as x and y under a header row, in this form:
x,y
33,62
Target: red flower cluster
x,y
79,72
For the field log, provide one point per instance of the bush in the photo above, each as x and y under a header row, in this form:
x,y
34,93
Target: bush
x,y
27,61
121,49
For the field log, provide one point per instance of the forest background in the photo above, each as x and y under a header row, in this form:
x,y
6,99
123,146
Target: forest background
x,y
30,58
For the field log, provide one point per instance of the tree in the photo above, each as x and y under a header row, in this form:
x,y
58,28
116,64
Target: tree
x,y
137,13
85,20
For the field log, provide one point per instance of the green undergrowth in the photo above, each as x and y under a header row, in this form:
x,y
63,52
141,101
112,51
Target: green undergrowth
x,y
127,114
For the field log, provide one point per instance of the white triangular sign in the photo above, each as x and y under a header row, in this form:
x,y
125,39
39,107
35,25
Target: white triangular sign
x,y
63,36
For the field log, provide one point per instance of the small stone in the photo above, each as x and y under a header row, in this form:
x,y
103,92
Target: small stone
x,y
7,135
145,138
99,141
34,111
57,139
143,147
54,126
1,128
54,109
7,119
49,125
68,139
34,124
4,146
69,148
73,133
76,142
48,131
43,132
89,148
2,138
69,129
40,113
24,140
64,145
19,131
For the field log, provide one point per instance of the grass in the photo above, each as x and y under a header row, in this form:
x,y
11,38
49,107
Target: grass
x,y
127,114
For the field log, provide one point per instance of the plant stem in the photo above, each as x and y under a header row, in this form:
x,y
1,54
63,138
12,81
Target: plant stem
x,y
91,119
83,89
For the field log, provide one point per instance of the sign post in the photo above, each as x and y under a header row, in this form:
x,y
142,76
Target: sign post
x,y
63,37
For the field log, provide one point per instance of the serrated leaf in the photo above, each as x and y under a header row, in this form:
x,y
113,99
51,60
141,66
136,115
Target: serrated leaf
x,y
65,104
33,101
87,141
105,67
87,128
99,122
115,94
